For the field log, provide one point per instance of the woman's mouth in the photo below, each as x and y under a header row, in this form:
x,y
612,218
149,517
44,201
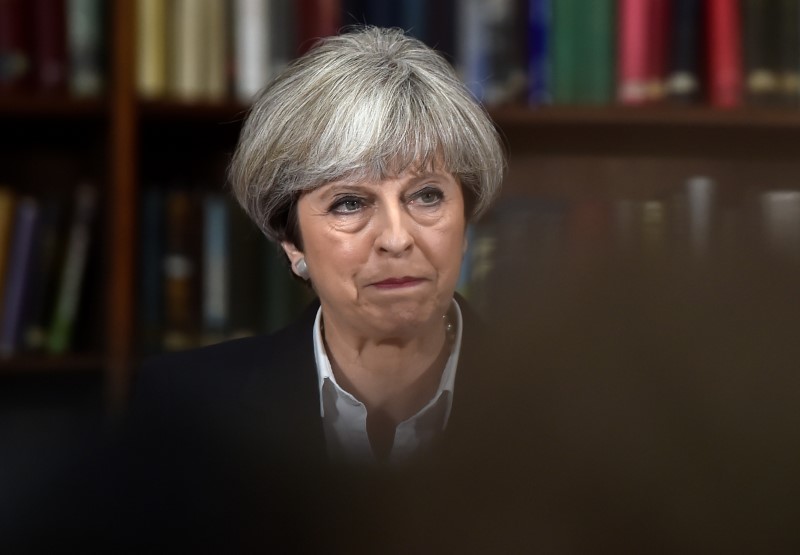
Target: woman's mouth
x,y
396,283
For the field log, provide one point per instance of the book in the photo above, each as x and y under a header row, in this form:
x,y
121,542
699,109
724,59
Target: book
x,y
151,274
85,47
48,255
15,48
215,44
658,34
151,48
789,53
7,199
780,220
725,80
17,282
491,48
248,280
540,75
760,51
597,63
216,268
49,45
252,47
71,279
583,52
633,52
700,202
181,266
188,53
316,19
684,82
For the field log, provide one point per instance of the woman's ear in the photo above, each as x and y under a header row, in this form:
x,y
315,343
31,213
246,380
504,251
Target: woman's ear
x,y
295,256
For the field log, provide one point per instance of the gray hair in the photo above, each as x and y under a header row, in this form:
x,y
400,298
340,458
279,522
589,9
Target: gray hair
x,y
364,105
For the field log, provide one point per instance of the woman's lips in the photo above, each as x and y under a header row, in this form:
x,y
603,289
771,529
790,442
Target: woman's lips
x,y
396,283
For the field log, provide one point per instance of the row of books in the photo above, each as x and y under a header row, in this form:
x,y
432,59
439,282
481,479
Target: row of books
x,y
44,250
210,50
207,273
725,53
696,218
53,46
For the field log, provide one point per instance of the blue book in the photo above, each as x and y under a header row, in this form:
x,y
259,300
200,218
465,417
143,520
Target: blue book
x,y
215,267
17,285
540,77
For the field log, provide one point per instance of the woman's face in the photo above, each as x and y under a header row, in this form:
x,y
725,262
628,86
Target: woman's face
x,y
384,257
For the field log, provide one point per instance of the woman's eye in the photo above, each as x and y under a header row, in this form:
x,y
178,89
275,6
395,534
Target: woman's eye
x,y
347,205
428,196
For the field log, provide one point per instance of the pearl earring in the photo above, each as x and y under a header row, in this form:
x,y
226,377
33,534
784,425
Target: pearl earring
x,y
302,268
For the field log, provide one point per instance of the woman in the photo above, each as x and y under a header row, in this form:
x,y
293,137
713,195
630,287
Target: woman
x,y
364,159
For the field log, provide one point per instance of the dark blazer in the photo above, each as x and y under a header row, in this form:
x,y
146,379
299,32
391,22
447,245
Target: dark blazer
x,y
235,429
263,391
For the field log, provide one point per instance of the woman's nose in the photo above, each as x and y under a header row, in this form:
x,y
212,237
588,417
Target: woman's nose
x,y
394,230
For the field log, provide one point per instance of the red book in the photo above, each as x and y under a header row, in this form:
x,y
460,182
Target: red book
x,y
49,45
633,60
658,48
317,19
725,84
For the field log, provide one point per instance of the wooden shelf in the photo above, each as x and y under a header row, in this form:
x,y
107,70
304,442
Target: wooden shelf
x,y
49,364
46,106
228,111
658,116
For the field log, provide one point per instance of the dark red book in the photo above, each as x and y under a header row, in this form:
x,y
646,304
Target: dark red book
x,y
658,21
725,82
49,45
15,55
317,19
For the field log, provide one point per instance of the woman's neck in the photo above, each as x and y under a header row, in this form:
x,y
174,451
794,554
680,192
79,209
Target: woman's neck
x,y
395,376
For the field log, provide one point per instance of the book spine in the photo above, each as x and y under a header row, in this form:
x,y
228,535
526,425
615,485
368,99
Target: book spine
x,y
759,52
189,51
789,52
151,48
77,250
15,54
780,216
7,201
50,45
18,279
414,19
633,52
181,273
540,76
44,273
85,46
724,53
597,52
151,286
251,47
565,52
658,34
505,80
471,55
683,83
317,19
216,265
216,26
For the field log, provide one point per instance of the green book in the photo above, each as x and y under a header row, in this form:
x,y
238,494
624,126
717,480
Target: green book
x,y
583,51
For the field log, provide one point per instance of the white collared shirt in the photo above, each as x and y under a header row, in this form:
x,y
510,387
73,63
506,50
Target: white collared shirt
x,y
345,418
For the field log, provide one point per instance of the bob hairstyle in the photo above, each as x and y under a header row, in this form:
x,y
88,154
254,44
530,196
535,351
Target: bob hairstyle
x,y
362,106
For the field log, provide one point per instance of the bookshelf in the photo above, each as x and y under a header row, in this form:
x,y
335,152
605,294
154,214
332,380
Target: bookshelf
x,y
560,151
